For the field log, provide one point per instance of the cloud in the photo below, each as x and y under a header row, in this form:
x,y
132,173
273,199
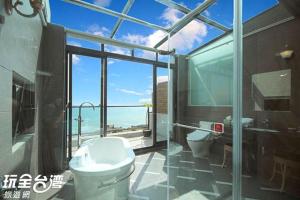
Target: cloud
x,y
96,29
185,39
171,16
149,40
75,59
130,92
145,101
117,50
161,79
138,39
110,62
103,3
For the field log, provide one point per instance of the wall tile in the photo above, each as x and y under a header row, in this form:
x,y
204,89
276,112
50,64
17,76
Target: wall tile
x,y
5,90
5,142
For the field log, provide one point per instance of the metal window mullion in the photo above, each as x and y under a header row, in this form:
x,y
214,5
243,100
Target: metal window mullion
x,y
66,100
98,54
105,95
101,95
104,40
237,100
154,102
70,104
184,21
120,20
185,10
170,116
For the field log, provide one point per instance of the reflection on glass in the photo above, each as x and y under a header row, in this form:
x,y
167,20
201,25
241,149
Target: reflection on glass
x,y
271,85
162,104
210,74
272,90
203,166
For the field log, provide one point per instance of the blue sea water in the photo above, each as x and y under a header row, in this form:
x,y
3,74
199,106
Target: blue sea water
x,y
124,117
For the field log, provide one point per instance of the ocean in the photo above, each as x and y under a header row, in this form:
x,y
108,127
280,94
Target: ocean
x,y
120,117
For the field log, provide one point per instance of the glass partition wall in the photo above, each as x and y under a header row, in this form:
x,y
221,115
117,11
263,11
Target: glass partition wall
x,y
199,156
252,93
271,100
200,111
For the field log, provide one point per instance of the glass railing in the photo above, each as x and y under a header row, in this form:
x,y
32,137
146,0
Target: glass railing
x,y
90,120
120,118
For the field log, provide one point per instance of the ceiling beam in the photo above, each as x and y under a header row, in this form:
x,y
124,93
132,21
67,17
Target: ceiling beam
x,y
120,20
185,10
185,20
104,40
115,14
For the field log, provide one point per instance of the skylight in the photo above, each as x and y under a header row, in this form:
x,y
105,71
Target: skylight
x,y
150,25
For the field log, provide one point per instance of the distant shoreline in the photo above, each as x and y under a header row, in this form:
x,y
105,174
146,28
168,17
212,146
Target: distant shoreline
x,y
114,130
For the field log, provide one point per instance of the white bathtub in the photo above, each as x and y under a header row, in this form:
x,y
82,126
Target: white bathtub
x,y
102,168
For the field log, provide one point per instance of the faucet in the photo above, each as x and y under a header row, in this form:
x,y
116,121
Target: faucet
x,y
266,122
80,120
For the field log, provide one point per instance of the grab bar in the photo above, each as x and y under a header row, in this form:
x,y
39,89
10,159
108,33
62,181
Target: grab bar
x,y
102,185
193,127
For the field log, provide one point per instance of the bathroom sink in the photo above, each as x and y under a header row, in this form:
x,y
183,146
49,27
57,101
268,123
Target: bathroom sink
x,y
263,130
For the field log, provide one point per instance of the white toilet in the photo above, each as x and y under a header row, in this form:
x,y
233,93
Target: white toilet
x,y
200,141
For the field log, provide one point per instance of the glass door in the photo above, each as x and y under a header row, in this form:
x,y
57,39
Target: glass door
x,y
84,97
129,102
200,112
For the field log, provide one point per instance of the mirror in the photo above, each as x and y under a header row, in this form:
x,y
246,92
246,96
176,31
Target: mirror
x,y
271,91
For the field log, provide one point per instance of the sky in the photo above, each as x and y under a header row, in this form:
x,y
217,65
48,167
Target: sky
x,y
131,83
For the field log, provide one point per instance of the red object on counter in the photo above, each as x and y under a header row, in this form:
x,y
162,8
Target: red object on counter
x,y
218,127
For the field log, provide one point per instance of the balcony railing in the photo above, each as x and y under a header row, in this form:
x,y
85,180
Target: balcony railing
x,y
120,118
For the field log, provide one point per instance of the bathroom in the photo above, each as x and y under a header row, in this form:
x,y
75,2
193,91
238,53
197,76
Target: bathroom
x,y
183,143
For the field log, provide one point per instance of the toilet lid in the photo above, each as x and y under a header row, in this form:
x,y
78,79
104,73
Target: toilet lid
x,y
198,135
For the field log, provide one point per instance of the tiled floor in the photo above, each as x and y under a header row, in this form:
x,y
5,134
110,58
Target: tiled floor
x,y
189,179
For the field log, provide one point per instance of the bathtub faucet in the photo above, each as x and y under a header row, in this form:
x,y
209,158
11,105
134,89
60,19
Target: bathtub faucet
x,y
80,120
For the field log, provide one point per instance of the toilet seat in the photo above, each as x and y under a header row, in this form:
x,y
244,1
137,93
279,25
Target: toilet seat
x,y
198,135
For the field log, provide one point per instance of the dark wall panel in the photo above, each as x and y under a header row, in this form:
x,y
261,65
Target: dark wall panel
x,y
51,101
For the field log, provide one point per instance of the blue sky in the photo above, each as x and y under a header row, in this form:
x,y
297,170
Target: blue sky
x,y
130,83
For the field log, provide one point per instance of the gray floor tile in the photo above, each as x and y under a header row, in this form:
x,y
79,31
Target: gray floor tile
x,y
189,178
